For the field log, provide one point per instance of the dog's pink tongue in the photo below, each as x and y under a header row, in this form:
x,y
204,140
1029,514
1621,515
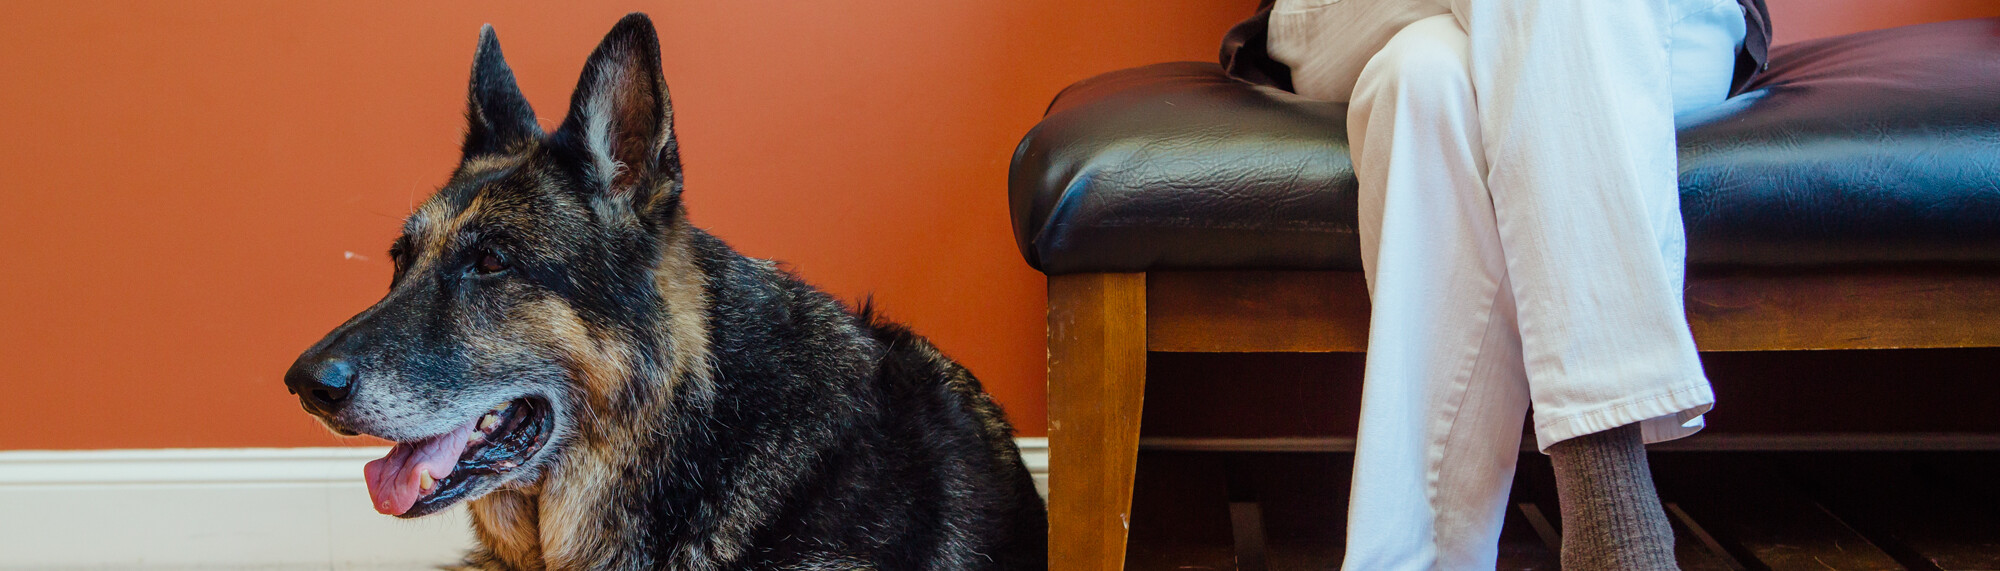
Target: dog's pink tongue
x,y
396,481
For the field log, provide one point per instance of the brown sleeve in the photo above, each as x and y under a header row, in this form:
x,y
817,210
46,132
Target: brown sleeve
x,y
1756,53
1244,55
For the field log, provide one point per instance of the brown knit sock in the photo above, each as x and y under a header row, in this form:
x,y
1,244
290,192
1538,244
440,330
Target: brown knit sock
x,y
1611,516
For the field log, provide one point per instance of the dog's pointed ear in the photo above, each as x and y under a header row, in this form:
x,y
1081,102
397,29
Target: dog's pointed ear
x,y
621,120
498,118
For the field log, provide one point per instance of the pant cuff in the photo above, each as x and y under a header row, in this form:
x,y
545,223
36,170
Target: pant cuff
x,y
1664,416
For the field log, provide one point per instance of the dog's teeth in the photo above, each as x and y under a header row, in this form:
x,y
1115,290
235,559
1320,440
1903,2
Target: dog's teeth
x,y
487,422
424,480
474,437
503,407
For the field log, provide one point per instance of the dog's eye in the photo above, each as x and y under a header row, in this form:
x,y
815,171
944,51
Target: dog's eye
x,y
489,263
397,252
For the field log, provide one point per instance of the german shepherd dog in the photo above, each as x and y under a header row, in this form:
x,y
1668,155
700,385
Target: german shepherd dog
x,y
610,387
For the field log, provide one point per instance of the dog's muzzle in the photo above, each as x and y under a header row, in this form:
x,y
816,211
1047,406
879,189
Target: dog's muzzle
x,y
323,382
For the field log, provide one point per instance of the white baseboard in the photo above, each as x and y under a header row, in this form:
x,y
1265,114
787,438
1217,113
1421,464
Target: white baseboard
x,y
1703,442
264,508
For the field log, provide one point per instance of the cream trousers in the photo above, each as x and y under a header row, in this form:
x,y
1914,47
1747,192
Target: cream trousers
x,y
1521,233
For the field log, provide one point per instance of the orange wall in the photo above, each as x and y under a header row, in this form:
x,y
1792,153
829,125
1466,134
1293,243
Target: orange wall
x,y
183,185
183,182
1797,20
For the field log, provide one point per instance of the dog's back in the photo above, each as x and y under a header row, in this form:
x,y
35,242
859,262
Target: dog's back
x,y
847,438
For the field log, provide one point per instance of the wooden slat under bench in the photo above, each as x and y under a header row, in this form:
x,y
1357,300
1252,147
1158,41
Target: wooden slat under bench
x,y
1317,312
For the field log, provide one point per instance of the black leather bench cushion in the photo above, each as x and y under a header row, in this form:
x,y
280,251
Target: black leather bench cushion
x,y
1878,147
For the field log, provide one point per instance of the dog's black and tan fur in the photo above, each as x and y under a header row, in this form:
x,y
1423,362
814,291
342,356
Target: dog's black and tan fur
x,y
698,409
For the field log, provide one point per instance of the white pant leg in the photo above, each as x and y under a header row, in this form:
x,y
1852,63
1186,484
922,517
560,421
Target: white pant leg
x,y
1447,389
1445,394
1576,116
1327,42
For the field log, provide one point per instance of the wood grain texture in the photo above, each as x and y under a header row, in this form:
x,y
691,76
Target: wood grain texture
x,y
1900,309
1695,549
1758,516
1097,379
1228,312
1917,518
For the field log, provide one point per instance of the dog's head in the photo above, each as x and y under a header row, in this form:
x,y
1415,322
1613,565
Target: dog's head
x,y
527,291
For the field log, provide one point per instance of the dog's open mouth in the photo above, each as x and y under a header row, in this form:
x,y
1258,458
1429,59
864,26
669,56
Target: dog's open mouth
x,y
426,475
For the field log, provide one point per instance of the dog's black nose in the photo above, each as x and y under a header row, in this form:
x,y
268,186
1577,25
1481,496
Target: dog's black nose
x,y
323,385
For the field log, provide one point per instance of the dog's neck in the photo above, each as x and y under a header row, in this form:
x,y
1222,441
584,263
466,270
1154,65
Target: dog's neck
x,y
507,524
566,519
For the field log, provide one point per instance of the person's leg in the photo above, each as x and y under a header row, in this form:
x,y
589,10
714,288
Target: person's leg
x,y
1325,43
1610,512
1445,395
1445,392
1576,108
1577,99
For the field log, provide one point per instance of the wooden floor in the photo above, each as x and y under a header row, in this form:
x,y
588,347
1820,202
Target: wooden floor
x,y
1937,511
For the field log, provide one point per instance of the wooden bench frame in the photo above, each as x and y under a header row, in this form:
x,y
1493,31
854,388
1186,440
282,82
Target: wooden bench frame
x,y
1102,325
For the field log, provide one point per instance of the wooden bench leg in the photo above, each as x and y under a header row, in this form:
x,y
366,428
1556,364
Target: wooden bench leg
x,y
1097,379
